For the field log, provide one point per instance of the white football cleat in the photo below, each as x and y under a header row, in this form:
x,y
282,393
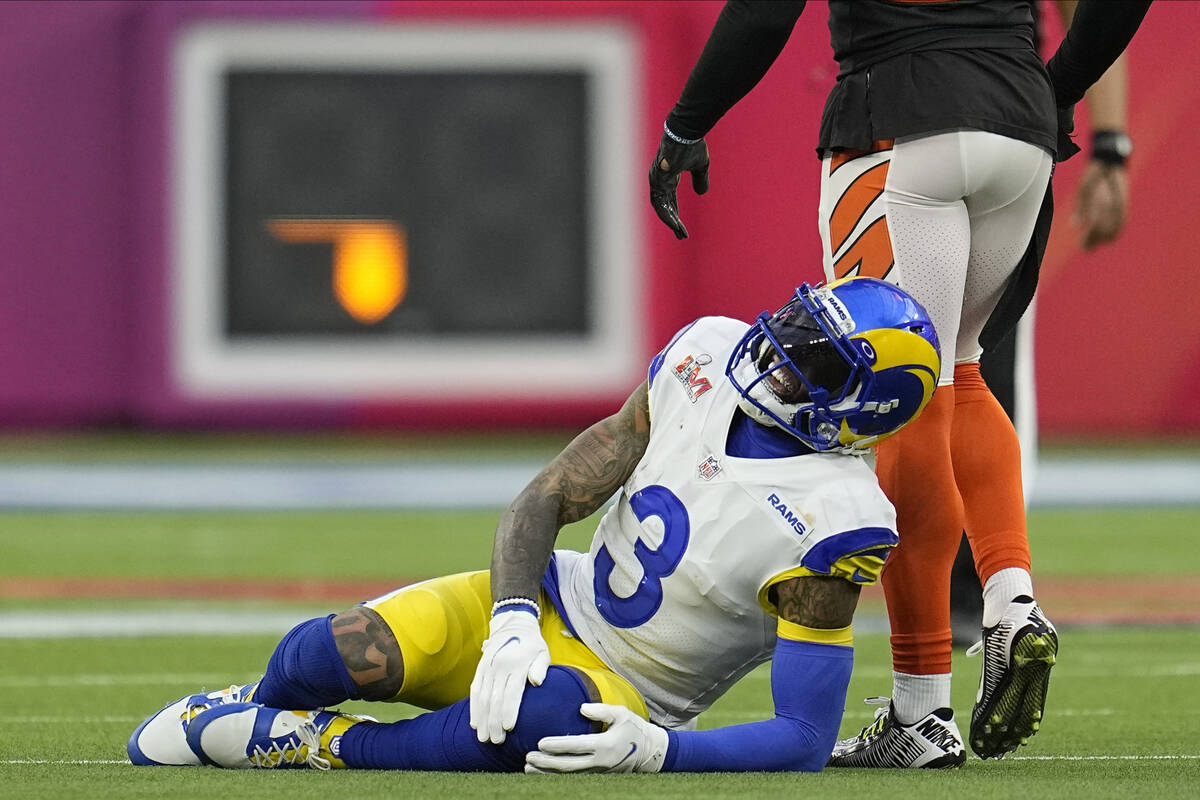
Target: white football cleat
x,y
250,735
161,740
932,742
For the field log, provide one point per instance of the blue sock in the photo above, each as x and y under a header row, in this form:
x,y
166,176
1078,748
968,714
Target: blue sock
x,y
444,739
306,671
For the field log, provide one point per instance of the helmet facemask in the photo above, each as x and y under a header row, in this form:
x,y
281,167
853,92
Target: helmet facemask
x,y
797,369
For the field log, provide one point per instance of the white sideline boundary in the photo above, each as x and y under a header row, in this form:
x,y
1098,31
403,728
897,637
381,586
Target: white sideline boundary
x,y
90,624
455,485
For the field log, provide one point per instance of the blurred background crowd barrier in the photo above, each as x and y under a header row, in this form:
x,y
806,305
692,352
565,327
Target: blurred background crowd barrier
x,y
432,216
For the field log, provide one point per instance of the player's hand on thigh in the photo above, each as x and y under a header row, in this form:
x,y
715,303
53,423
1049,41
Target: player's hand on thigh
x,y
514,654
628,744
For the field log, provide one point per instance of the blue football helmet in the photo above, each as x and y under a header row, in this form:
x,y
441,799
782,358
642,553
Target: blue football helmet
x,y
841,366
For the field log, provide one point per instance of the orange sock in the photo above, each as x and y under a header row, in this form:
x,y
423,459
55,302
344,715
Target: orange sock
x,y
987,467
916,473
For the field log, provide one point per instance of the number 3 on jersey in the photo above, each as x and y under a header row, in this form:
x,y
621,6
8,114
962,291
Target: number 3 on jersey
x,y
631,611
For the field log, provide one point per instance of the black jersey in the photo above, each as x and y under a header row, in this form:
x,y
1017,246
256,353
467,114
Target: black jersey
x,y
908,68
864,32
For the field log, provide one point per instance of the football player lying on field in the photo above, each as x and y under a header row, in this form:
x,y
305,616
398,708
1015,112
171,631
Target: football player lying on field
x,y
746,524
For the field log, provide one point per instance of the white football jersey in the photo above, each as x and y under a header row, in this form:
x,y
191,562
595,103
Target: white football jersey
x,y
672,594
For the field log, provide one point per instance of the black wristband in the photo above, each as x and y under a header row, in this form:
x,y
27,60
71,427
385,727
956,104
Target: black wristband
x,y
1111,147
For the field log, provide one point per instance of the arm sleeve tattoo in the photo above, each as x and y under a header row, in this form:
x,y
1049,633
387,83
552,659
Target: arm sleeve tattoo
x,y
816,601
574,485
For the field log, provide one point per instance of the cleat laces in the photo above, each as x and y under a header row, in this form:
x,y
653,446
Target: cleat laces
x,y
231,695
881,717
289,751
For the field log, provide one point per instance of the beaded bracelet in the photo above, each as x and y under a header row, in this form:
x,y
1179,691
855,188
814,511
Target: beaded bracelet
x,y
517,604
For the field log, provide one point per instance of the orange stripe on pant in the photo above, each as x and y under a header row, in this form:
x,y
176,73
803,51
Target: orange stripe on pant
x,y
870,255
839,157
854,202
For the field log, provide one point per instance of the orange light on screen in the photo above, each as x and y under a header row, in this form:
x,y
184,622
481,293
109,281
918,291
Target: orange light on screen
x,y
370,260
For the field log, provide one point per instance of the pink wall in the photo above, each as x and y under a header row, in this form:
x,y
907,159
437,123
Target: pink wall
x,y
753,236
83,157
1118,341
1109,321
64,275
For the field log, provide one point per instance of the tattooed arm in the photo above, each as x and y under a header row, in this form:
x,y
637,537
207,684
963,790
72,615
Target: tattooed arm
x,y
576,483
816,602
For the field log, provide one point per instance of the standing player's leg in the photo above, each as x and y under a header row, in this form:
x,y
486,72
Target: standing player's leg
x,y
1007,369
898,214
1019,642
998,368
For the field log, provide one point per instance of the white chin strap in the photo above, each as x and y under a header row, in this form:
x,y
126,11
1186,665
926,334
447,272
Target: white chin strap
x,y
755,413
746,373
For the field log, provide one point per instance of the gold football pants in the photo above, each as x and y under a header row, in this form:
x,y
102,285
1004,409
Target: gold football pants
x,y
441,624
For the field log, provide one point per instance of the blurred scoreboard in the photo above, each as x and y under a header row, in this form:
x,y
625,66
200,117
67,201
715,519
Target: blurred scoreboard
x,y
401,211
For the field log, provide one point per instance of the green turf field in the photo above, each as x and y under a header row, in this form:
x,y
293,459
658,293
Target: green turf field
x,y
1120,722
1119,725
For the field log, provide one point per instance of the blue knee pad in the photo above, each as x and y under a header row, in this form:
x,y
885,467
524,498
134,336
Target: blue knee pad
x,y
306,670
444,740
552,709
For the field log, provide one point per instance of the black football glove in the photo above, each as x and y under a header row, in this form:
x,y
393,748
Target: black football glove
x,y
672,160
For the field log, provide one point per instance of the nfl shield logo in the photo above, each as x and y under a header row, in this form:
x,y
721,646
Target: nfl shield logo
x,y
709,468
